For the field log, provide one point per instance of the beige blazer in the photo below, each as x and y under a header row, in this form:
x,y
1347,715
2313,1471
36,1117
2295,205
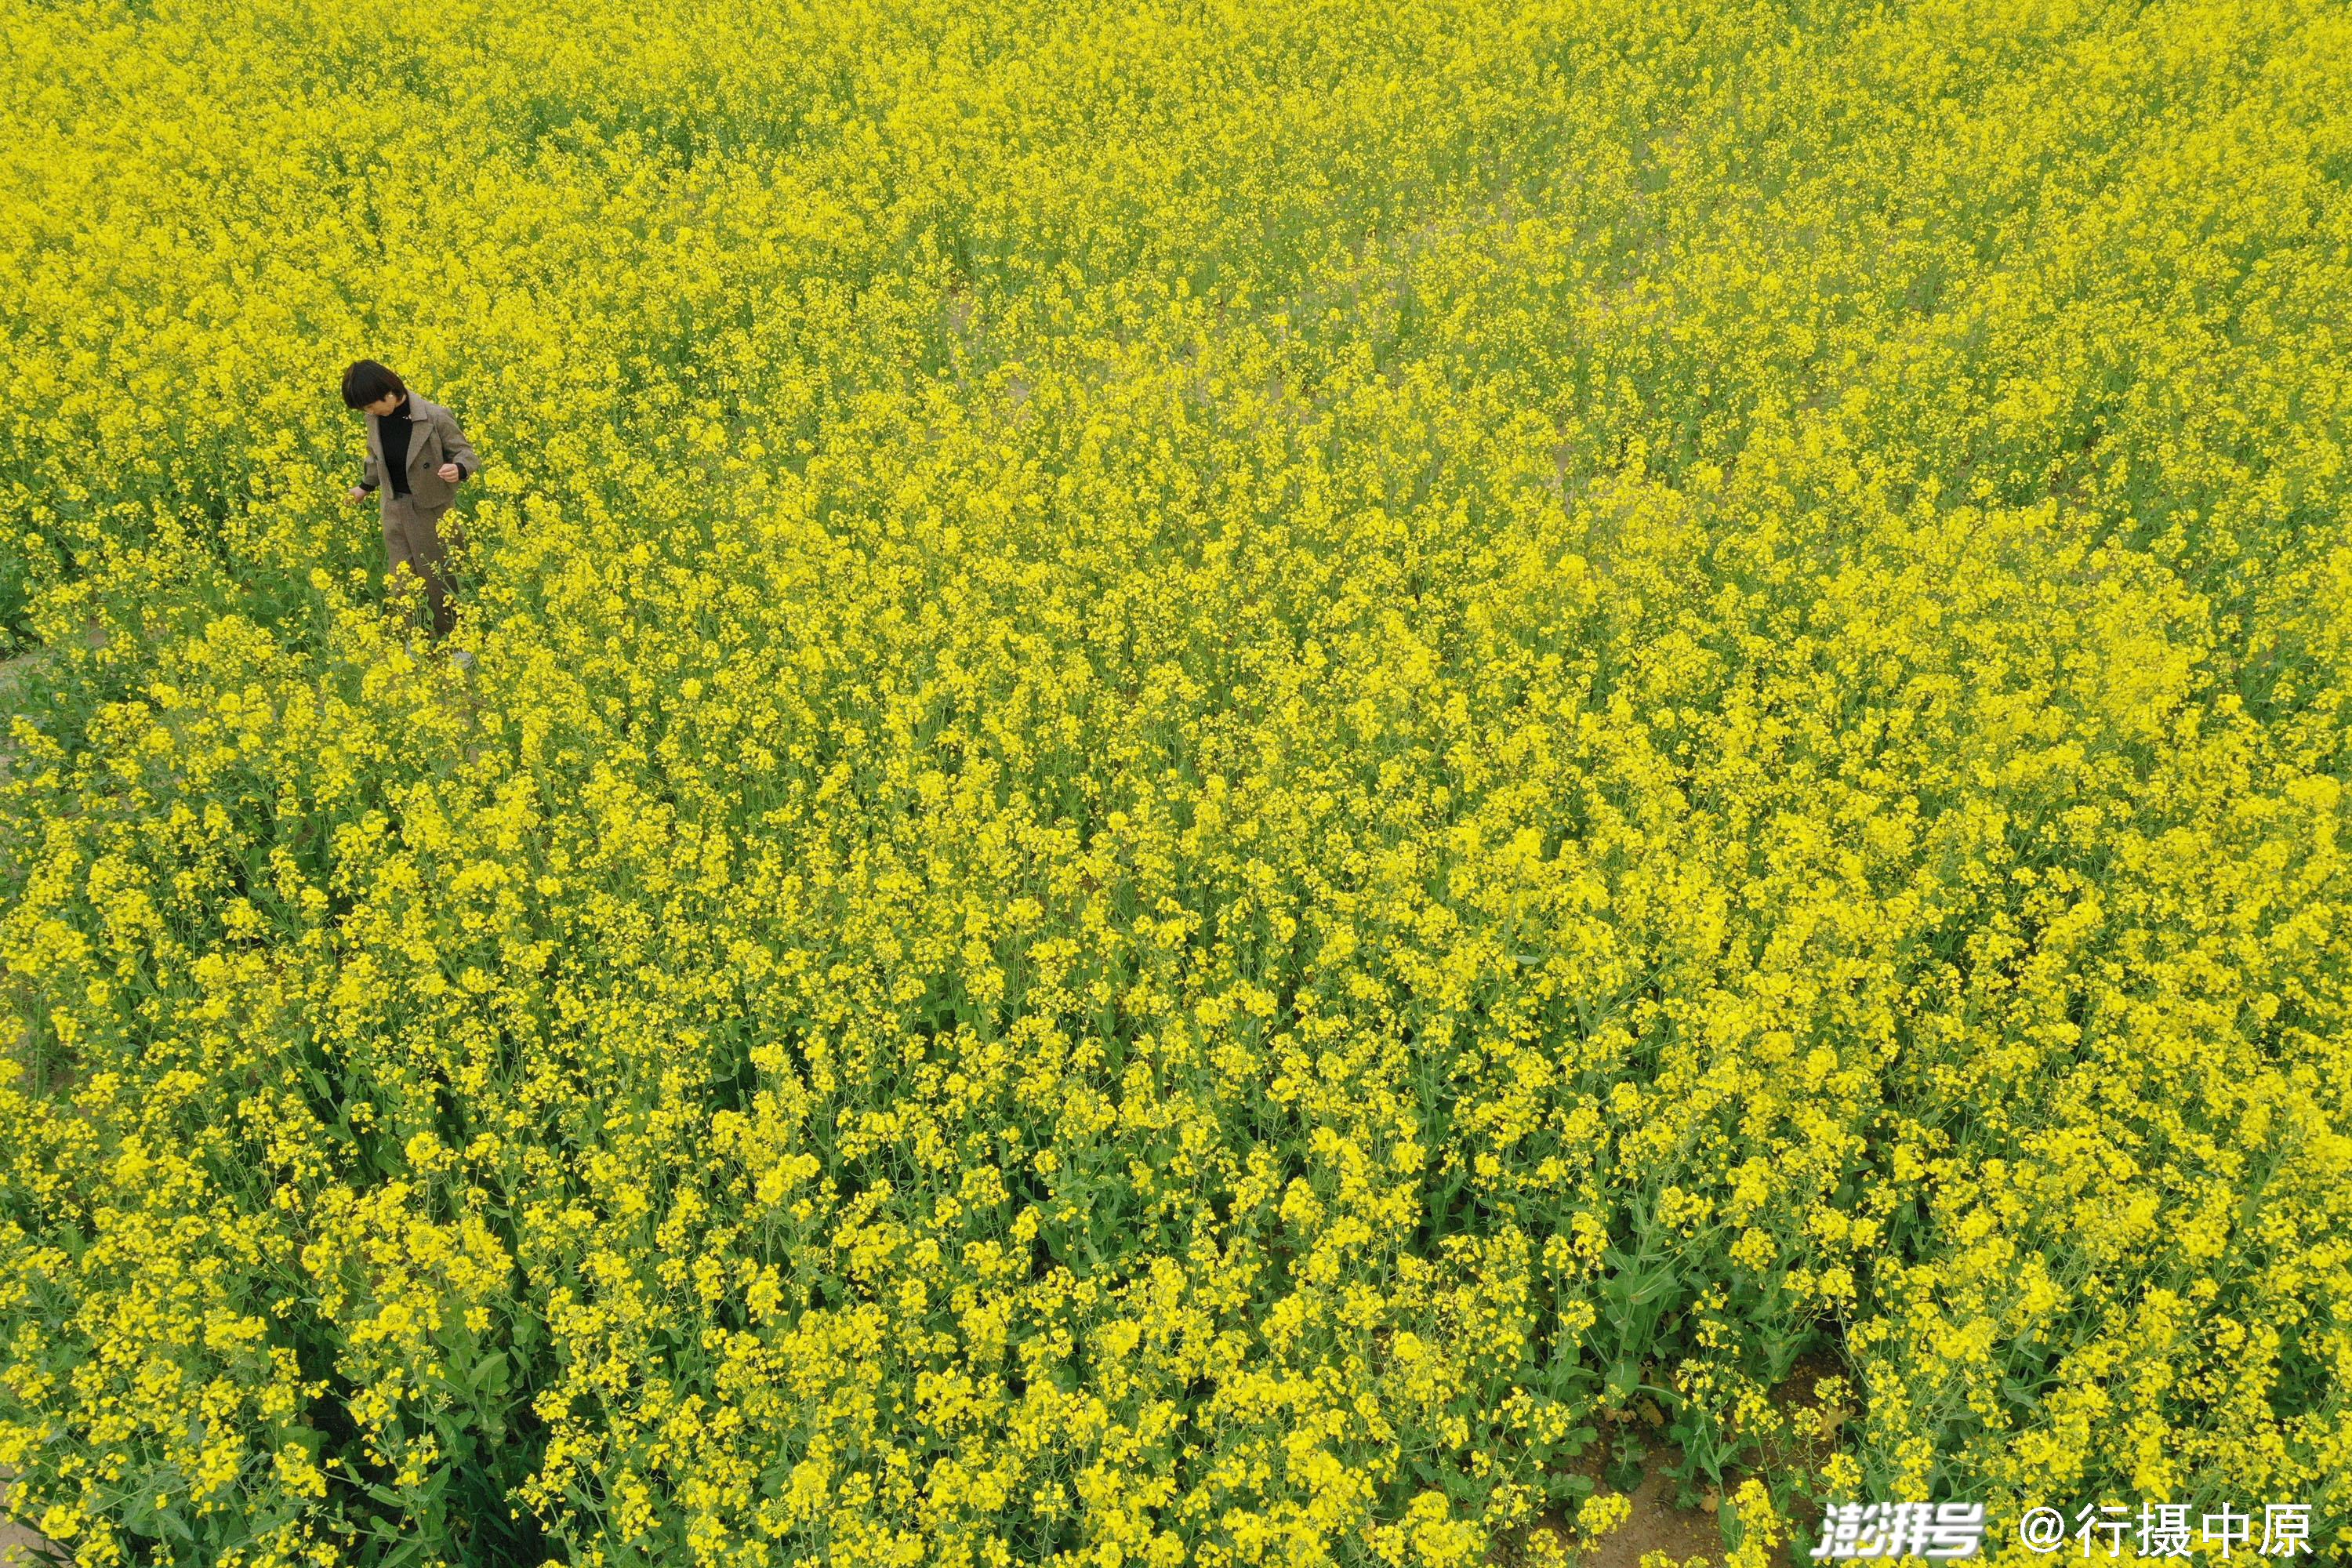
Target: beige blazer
x,y
435,439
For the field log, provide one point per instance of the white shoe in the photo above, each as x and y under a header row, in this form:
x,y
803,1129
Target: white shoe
x,y
462,658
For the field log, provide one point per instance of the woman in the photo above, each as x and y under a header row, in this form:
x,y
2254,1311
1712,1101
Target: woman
x,y
417,445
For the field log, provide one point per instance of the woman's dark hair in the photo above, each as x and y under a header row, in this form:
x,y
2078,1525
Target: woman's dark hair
x,y
367,381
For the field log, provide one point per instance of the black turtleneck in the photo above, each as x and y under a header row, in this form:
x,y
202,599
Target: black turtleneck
x,y
392,430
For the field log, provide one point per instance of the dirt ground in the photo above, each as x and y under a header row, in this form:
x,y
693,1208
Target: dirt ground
x,y
18,1546
1657,1525
1690,1536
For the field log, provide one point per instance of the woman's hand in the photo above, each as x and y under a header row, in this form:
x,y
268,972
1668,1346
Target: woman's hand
x,y
447,471
357,495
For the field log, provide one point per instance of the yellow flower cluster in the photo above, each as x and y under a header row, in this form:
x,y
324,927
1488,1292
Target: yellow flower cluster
x,y
1241,781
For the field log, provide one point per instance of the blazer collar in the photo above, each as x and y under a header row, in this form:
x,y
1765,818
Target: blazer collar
x,y
408,410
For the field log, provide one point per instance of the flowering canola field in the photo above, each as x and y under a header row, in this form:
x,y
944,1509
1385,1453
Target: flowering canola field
x,y
1245,782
